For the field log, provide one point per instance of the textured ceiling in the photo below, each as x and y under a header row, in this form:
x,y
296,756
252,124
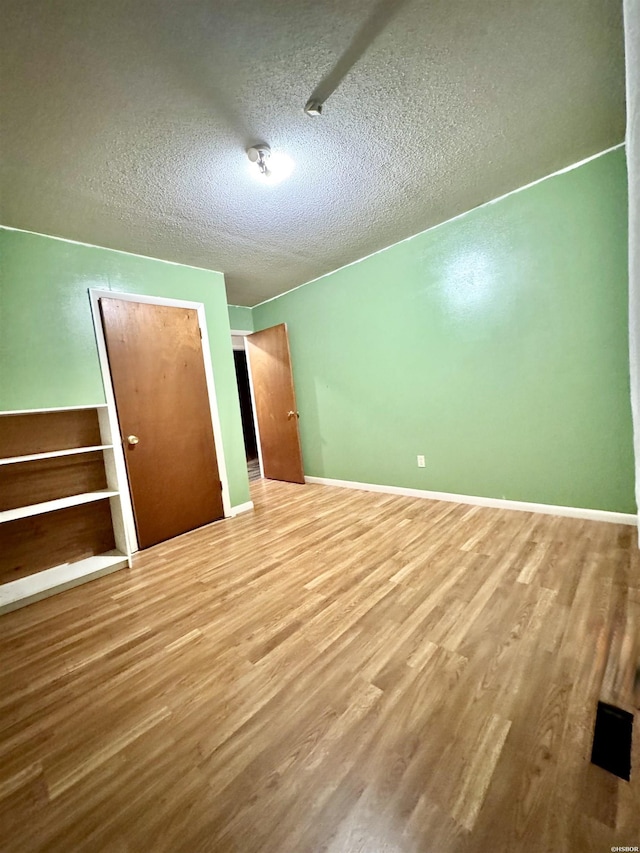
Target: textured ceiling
x,y
125,123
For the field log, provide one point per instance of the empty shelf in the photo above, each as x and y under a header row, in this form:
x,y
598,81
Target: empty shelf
x,y
9,412
51,506
53,454
34,587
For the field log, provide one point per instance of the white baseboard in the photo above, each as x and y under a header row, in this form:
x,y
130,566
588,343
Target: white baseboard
x,y
245,507
496,503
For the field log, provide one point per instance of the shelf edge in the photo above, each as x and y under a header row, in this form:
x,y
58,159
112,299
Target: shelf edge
x,y
32,510
53,454
7,412
28,590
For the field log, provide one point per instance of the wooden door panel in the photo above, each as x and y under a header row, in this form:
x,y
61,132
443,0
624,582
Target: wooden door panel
x,y
157,370
269,362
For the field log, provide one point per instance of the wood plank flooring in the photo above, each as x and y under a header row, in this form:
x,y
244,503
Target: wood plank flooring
x,y
338,671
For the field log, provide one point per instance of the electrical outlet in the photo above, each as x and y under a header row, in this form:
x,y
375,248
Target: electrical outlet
x,y
420,461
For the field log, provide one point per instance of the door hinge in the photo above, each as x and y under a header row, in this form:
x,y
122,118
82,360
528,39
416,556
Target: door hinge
x,y
200,332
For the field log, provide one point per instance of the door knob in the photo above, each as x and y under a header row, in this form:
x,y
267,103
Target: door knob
x,y
132,439
292,414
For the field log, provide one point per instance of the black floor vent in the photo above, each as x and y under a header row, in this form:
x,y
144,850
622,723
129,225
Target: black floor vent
x,y
612,740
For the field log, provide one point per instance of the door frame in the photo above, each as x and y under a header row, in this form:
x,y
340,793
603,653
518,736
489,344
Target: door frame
x,y
242,333
95,294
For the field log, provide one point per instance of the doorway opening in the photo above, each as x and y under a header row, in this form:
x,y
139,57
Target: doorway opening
x,y
246,409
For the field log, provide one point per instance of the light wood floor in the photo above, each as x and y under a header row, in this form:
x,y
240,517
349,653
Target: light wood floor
x,y
339,671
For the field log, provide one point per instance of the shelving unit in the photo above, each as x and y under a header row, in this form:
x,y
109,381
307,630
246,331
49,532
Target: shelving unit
x,y
61,520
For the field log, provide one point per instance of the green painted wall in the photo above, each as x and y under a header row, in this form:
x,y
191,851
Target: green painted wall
x,y
494,344
240,318
48,353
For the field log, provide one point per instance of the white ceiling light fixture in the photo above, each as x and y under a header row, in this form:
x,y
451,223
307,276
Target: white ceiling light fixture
x,y
260,155
269,167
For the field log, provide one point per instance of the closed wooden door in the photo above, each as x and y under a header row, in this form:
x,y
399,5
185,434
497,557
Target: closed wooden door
x,y
274,398
160,388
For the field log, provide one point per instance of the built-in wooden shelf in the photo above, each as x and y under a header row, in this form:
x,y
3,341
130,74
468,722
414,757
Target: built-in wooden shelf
x,y
35,587
52,506
55,410
56,466
53,454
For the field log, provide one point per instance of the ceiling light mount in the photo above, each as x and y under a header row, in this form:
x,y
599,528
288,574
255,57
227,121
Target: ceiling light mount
x,y
267,166
260,155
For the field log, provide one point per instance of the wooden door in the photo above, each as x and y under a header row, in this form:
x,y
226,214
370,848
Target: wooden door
x,y
160,387
275,403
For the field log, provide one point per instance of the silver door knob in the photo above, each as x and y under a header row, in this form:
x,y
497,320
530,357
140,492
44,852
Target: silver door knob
x,y
293,415
132,439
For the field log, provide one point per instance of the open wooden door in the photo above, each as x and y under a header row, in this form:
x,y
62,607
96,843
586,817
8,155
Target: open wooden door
x,y
160,388
274,398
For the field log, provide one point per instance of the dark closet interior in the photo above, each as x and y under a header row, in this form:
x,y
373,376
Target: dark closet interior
x,y
246,413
